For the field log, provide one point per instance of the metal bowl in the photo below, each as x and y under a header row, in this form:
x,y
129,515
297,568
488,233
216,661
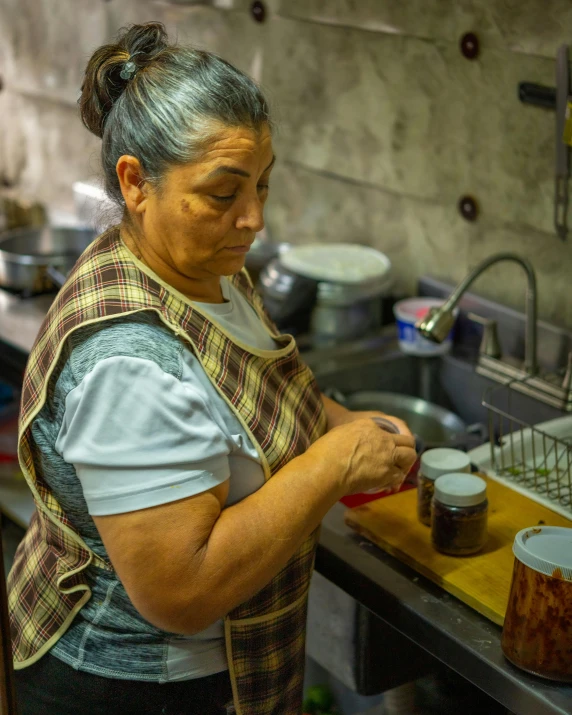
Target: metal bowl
x,y
26,254
436,426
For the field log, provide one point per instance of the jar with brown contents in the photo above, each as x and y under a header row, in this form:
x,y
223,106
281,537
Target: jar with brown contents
x,y
435,463
537,633
459,514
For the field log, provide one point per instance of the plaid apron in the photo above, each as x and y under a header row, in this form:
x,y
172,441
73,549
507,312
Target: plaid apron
x,y
276,399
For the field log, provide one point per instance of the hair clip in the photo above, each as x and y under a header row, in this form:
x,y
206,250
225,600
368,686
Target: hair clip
x,y
129,70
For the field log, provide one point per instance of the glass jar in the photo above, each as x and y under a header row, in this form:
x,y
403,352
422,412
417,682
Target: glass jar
x,y
537,632
435,463
459,514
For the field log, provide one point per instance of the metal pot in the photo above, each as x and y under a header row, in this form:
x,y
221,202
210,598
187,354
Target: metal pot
x,y
332,324
331,312
37,260
262,251
288,297
436,426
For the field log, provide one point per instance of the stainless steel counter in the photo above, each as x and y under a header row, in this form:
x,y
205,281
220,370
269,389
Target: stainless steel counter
x,y
446,628
20,319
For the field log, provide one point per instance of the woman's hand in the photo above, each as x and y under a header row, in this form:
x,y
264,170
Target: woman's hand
x,y
365,457
371,414
339,415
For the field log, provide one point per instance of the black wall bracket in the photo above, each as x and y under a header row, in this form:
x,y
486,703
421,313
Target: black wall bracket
x,y
537,94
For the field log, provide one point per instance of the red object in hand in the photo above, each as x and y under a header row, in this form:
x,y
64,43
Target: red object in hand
x,y
353,500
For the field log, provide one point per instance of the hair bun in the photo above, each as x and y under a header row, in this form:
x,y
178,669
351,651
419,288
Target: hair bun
x,y
103,83
144,42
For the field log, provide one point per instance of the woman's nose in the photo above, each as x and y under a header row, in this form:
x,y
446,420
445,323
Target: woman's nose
x,y
252,216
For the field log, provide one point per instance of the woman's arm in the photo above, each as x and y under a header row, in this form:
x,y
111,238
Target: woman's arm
x,y
188,563
336,414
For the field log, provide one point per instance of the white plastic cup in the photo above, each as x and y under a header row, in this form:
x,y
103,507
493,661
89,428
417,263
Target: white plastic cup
x,y
407,313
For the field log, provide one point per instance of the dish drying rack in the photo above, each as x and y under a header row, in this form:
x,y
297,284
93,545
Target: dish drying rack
x,y
534,460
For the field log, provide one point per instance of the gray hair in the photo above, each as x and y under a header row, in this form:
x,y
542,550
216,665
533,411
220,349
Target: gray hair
x,y
162,103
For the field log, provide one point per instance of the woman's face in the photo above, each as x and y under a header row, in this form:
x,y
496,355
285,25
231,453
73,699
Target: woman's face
x,y
201,223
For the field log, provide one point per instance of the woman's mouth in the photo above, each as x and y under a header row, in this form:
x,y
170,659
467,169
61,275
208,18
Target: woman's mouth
x,y
239,249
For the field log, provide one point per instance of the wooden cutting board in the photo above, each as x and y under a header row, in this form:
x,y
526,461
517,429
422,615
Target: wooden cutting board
x,y
481,581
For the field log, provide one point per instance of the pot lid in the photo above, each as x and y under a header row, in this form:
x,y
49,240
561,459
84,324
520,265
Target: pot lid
x,y
337,262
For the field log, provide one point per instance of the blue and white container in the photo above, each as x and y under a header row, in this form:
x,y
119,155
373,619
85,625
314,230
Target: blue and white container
x,y
408,312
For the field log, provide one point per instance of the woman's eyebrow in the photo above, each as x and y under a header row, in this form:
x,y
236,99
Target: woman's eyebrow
x,y
219,171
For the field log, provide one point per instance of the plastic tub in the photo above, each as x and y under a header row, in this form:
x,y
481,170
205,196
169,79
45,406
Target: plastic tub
x,y
408,312
537,633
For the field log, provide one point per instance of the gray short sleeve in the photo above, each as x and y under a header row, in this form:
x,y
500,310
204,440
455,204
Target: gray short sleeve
x,y
138,437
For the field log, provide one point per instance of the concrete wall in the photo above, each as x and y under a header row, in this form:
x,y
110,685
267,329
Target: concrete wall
x,y
383,124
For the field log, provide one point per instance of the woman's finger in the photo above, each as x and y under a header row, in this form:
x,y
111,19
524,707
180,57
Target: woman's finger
x,y
391,483
404,440
404,458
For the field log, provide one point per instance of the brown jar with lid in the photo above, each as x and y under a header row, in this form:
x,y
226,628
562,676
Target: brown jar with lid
x,y
459,514
537,632
435,463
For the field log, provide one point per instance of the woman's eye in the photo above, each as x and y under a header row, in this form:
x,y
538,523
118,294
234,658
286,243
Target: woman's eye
x,y
230,197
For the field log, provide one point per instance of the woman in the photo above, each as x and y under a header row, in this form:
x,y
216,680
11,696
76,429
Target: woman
x,y
179,451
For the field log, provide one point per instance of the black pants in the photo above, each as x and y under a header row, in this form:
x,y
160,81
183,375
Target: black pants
x,y
50,687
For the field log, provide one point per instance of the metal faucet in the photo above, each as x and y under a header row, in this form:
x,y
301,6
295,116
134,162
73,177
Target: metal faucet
x,y
439,321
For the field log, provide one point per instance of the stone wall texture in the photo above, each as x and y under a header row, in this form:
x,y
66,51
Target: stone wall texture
x,y
382,123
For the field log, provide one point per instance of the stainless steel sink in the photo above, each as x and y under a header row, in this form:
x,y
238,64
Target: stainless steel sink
x,y
450,381
378,365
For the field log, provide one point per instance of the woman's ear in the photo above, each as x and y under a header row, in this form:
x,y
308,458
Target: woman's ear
x,y
132,183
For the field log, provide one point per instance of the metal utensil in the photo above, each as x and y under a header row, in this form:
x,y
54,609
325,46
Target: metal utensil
x,y
27,255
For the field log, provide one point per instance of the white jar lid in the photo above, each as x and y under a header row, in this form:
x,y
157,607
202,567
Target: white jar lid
x,y
545,549
460,489
442,460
